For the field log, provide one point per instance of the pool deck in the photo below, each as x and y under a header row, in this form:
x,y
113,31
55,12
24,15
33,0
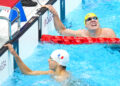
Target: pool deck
x,y
29,12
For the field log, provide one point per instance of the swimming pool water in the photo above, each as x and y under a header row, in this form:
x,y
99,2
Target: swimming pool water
x,y
93,65
108,12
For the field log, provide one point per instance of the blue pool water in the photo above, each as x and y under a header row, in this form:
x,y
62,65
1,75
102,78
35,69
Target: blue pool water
x,y
108,12
95,65
90,65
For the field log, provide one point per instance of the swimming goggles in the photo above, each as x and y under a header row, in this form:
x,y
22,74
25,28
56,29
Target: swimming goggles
x,y
90,18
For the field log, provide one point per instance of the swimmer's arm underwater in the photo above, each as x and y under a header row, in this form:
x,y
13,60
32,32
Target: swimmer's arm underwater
x,y
59,25
24,67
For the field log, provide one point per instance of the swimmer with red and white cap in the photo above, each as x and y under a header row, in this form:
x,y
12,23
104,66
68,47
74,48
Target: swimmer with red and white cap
x,y
57,63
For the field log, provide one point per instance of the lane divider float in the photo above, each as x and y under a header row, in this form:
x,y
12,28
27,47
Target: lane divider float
x,y
68,40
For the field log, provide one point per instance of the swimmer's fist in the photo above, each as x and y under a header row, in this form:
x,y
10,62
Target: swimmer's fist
x,y
51,8
9,47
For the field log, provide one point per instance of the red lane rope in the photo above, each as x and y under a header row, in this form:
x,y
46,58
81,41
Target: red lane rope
x,y
78,40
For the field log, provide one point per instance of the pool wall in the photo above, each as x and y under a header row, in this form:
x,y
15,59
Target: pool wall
x,y
47,18
25,40
23,48
6,66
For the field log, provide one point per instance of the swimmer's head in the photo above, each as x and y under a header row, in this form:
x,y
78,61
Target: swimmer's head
x,y
60,56
89,15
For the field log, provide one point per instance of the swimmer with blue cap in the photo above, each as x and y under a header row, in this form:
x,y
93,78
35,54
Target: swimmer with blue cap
x,y
91,22
57,64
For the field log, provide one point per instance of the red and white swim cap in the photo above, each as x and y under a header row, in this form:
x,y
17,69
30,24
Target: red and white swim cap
x,y
60,56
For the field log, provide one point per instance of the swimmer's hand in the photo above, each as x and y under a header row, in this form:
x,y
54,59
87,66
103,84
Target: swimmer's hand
x,y
9,47
51,8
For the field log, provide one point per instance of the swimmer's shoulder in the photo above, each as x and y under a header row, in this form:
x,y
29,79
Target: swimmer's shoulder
x,y
107,29
109,32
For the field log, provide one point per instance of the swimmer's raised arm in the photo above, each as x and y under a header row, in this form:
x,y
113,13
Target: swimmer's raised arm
x,y
20,63
58,24
24,67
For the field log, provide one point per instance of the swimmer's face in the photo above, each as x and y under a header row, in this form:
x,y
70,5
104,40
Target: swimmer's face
x,y
92,23
52,64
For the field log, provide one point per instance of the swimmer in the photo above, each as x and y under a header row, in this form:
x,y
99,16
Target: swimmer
x,y
57,64
91,22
